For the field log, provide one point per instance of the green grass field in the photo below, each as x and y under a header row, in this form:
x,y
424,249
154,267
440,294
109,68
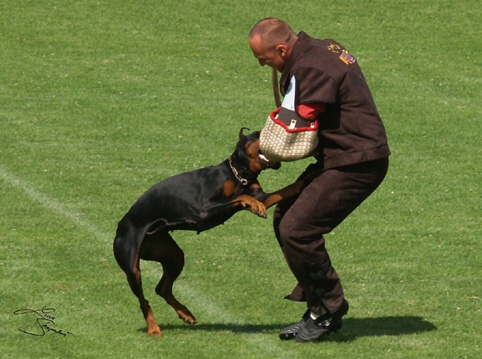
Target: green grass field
x,y
101,99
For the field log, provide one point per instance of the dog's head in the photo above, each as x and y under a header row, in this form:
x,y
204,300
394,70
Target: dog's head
x,y
248,151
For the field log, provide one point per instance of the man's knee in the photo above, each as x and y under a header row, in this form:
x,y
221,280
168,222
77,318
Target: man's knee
x,y
297,229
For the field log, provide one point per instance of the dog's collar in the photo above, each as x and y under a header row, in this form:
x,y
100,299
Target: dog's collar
x,y
243,181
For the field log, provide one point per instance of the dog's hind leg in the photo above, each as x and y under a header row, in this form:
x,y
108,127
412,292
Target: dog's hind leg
x,y
162,248
135,282
128,259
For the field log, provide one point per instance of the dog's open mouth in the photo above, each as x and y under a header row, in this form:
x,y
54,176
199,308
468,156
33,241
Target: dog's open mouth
x,y
262,157
268,163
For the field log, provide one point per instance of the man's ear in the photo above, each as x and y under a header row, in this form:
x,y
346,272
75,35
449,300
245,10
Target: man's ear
x,y
281,50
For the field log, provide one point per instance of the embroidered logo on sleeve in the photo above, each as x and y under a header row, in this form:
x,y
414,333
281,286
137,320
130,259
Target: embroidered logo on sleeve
x,y
347,58
334,48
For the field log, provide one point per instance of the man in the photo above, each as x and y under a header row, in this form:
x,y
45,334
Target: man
x,y
352,161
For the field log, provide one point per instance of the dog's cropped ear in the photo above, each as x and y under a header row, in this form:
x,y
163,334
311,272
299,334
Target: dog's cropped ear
x,y
241,132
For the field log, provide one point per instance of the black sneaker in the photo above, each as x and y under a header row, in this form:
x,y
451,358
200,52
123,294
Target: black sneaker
x,y
313,330
291,330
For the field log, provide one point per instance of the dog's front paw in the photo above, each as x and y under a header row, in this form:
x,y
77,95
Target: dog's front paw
x,y
254,205
258,208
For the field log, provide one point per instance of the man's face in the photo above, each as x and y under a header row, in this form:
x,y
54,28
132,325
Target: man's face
x,y
268,55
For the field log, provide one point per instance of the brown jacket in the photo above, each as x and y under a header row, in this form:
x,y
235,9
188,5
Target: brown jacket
x,y
351,130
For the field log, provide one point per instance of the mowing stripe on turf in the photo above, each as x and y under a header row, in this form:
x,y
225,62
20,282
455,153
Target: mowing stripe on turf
x,y
50,203
261,341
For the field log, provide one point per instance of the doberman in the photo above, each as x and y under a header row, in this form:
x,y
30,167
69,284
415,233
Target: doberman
x,y
197,200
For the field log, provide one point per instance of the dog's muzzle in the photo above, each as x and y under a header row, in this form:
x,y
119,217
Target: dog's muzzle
x,y
268,163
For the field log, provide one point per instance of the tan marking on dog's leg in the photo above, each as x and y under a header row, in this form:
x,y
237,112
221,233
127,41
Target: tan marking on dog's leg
x,y
135,282
162,248
153,329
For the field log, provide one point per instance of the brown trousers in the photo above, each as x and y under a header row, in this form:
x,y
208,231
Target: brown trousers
x,y
300,223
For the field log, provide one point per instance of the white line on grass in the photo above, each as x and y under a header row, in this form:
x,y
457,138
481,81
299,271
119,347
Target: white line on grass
x,y
51,204
260,341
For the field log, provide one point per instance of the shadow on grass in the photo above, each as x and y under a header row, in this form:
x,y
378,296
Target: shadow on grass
x,y
352,327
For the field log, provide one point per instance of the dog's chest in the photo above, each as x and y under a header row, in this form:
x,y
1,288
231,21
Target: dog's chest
x,y
229,189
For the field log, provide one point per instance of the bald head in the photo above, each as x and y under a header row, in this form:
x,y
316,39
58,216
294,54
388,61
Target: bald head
x,y
273,31
272,41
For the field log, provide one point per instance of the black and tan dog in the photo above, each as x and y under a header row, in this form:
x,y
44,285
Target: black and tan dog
x,y
197,201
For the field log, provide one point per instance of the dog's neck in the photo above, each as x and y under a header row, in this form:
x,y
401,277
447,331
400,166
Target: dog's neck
x,y
242,173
